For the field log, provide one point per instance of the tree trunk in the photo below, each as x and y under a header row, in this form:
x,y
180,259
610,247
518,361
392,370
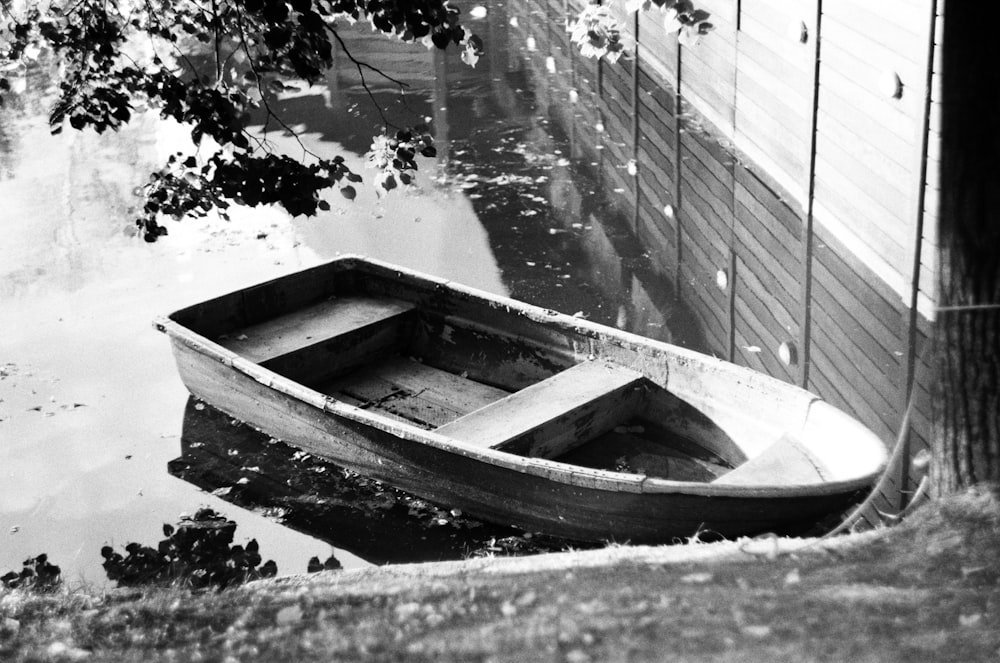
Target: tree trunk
x,y
966,435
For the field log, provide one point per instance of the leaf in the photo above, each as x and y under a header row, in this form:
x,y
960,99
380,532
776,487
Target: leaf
x,y
349,192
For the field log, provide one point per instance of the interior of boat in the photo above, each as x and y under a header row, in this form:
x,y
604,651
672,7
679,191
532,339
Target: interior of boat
x,y
483,382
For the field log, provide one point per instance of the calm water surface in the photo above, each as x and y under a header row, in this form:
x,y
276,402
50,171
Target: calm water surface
x,y
91,408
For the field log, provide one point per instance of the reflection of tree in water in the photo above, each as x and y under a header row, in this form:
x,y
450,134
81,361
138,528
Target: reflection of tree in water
x,y
72,196
31,96
6,148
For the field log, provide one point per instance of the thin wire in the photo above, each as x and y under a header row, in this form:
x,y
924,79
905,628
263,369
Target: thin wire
x,y
969,307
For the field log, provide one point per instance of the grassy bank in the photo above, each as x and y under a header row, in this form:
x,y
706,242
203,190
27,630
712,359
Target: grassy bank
x,y
927,590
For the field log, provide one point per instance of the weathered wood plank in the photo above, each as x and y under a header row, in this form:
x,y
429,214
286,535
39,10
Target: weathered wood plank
x,y
311,325
551,417
768,203
713,232
861,287
413,390
331,357
768,246
766,360
878,174
846,393
897,42
882,231
858,304
790,157
778,300
877,371
656,91
856,96
658,50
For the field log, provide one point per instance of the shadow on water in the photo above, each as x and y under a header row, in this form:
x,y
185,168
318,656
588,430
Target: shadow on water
x,y
371,520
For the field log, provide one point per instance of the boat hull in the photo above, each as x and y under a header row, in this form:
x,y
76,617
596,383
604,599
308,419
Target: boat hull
x,y
498,493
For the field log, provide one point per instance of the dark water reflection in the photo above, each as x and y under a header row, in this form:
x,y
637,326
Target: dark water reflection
x,y
362,517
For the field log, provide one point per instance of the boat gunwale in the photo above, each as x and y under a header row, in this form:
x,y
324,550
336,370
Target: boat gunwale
x,y
552,470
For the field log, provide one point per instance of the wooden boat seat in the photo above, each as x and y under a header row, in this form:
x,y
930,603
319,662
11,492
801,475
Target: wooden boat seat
x,y
787,462
551,417
334,335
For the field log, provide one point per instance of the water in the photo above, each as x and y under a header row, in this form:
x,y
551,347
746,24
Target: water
x,y
91,409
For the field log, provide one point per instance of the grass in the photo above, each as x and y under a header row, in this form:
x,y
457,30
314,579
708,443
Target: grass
x,y
926,590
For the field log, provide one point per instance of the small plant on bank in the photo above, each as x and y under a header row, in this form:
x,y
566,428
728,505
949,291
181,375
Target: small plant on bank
x,y
37,574
198,553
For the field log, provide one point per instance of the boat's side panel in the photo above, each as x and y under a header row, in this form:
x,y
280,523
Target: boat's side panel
x,y
493,492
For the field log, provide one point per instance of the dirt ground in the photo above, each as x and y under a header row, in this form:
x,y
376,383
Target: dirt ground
x,y
927,590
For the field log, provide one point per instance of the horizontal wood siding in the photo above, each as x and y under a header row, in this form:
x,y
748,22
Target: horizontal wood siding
x,y
708,69
616,141
774,88
867,141
768,276
657,47
856,346
706,218
656,157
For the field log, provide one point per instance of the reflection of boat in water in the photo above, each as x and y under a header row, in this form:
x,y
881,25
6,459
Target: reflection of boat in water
x,y
375,522
493,406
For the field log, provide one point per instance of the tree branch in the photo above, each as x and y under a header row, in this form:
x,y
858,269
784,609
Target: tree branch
x,y
263,95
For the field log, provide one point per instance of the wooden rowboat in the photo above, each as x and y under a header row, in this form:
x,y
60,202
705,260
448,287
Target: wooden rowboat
x,y
516,414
